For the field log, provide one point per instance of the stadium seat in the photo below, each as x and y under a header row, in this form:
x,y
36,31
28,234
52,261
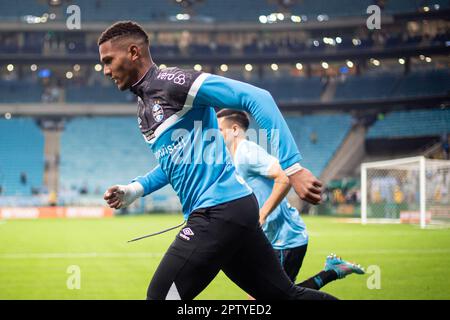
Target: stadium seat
x,y
89,143
21,151
424,83
292,88
89,94
367,86
318,137
393,85
404,124
249,10
404,6
13,91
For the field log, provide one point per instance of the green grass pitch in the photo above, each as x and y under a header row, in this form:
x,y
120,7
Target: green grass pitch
x,y
36,254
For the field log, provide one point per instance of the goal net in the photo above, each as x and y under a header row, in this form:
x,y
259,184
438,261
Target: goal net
x,y
408,190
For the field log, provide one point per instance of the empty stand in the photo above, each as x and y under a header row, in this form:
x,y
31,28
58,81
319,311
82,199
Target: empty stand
x,y
16,91
101,151
318,137
21,154
402,124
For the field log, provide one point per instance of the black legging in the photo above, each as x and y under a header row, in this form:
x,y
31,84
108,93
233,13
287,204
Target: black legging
x,y
225,237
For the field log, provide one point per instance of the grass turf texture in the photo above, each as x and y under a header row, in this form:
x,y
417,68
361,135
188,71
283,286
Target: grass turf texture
x,y
35,256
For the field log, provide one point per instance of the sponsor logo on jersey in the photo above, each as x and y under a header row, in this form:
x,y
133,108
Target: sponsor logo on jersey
x,y
157,112
168,150
177,77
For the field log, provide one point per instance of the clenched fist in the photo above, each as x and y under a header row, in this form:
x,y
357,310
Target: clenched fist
x,y
120,196
307,186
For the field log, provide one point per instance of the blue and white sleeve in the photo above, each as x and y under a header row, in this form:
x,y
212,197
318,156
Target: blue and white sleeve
x,y
152,181
221,92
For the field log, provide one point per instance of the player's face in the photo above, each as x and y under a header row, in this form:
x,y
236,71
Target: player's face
x,y
117,64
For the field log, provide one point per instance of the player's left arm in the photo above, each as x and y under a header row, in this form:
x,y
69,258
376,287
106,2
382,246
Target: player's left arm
x,y
213,90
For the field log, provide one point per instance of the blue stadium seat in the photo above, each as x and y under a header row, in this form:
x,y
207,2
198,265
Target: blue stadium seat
x,y
403,6
424,83
13,91
248,10
332,8
329,130
97,152
405,124
394,85
21,151
139,10
98,94
369,86
292,88
18,9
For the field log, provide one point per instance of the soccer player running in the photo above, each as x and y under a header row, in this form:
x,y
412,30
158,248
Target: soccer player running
x,y
281,222
175,116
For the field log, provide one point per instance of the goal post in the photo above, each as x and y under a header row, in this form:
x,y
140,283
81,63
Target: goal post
x,y
408,190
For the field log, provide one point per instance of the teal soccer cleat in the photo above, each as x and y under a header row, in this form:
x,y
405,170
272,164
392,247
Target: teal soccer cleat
x,y
342,267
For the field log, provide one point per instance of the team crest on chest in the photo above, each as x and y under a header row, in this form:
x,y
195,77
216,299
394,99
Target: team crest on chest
x,y
157,112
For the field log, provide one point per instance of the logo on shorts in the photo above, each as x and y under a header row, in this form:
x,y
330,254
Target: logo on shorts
x,y
186,233
157,112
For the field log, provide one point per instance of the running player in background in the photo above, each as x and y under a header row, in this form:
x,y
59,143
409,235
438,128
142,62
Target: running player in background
x,y
281,222
176,117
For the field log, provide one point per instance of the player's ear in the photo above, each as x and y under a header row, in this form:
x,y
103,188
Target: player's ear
x,y
235,130
134,52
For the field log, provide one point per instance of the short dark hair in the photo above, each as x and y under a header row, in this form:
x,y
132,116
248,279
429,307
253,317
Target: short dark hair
x,y
239,117
123,28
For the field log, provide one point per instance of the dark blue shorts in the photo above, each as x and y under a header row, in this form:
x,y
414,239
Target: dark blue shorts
x,y
292,259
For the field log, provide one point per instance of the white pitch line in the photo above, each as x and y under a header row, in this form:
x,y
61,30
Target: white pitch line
x,y
81,255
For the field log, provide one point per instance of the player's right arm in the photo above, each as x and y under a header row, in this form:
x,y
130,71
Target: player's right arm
x,y
258,162
120,196
280,189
